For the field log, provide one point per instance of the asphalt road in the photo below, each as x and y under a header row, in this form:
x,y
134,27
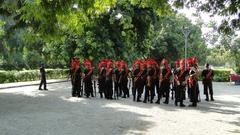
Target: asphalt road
x,y
28,111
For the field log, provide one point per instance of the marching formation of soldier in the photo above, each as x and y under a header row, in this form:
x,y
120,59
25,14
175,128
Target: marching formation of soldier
x,y
147,80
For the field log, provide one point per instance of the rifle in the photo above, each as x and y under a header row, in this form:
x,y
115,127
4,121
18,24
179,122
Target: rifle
x,y
81,91
94,86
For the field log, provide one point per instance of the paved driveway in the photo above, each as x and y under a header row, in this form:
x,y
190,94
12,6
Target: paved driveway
x,y
27,111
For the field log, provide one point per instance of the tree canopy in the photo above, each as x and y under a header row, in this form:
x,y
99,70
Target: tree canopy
x,y
54,31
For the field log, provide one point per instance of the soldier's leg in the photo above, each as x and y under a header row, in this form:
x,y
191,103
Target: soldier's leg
x,y
211,91
177,95
139,92
152,93
40,85
45,83
167,90
206,91
182,94
146,94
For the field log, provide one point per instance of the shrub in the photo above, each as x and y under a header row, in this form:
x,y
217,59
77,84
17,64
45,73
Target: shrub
x,y
31,75
220,75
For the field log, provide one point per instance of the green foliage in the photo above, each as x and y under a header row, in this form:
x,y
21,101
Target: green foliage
x,y
221,75
229,9
31,75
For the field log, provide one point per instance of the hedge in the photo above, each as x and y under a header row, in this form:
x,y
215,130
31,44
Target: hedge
x,y
31,75
221,75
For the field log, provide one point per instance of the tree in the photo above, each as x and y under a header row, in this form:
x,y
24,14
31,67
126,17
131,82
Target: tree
x,y
229,9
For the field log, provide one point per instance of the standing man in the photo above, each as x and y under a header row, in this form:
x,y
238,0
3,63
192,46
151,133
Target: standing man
x,y
149,88
207,75
180,77
136,74
117,71
165,81
88,72
123,79
43,78
109,80
77,77
192,82
102,77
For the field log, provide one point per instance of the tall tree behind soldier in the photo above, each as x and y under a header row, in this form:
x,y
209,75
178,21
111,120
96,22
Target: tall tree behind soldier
x,y
192,82
165,76
180,77
76,78
43,78
88,72
102,77
207,75
109,80
137,72
123,79
149,90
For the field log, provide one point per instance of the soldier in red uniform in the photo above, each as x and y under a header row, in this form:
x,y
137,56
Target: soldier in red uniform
x,y
76,77
109,80
165,81
192,82
117,71
207,75
123,79
88,72
102,76
149,88
180,77
137,72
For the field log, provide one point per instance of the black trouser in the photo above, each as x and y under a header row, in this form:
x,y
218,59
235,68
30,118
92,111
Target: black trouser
x,y
137,89
179,94
88,88
208,85
194,94
43,82
109,89
76,90
156,83
124,87
117,89
102,86
149,91
164,88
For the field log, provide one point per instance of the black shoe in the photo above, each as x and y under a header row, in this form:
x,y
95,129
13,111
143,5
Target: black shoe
x,y
139,100
207,99
157,102
151,101
182,105
46,89
212,99
145,101
176,104
124,96
192,105
165,102
40,89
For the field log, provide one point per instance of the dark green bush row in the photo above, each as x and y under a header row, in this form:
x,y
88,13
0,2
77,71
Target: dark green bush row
x,y
31,75
220,75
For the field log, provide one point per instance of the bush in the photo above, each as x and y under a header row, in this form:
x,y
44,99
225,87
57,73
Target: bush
x,y
31,75
220,75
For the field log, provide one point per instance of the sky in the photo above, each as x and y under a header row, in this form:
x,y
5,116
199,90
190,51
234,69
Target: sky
x,y
205,16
